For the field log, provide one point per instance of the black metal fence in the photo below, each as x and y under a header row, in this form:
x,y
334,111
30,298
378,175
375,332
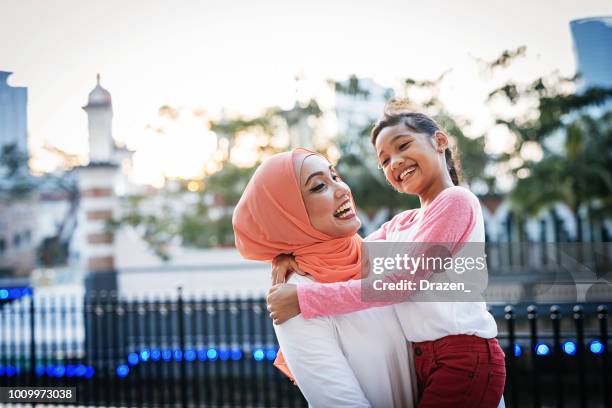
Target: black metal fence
x,y
197,351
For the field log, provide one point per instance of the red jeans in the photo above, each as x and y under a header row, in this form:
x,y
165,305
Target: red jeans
x,y
460,371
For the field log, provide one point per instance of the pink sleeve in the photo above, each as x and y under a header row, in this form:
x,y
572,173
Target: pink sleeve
x,y
449,219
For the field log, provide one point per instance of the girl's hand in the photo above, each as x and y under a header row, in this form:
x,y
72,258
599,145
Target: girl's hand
x,y
283,302
283,264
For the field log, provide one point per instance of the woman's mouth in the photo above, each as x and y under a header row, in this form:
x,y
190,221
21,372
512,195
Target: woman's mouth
x,y
409,171
345,211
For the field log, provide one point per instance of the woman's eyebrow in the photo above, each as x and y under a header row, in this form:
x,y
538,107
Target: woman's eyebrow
x,y
318,173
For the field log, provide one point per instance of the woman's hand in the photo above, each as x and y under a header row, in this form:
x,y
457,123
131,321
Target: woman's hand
x,y
283,302
283,264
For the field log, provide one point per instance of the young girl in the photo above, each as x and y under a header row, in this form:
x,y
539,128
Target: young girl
x,y
458,361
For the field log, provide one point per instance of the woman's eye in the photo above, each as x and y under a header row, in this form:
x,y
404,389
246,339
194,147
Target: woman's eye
x,y
318,187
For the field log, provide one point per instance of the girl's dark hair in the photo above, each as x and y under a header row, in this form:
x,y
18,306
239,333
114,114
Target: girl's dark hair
x,y
399,111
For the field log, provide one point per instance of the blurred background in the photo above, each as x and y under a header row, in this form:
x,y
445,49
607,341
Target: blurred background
x,y
128,132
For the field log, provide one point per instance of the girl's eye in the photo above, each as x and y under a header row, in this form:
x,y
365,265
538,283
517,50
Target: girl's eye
x,y
404,145
385,162
318,187
336,177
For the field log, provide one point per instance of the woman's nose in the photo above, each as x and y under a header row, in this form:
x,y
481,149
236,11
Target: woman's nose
x,y
342,190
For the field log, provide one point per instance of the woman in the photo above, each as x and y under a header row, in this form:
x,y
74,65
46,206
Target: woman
x,y
458,360
296,203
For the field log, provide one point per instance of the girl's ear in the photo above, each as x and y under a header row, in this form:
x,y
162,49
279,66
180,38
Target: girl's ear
x,y
441,141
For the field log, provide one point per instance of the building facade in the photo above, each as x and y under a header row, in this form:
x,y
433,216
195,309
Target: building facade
x,y
13,114
593,49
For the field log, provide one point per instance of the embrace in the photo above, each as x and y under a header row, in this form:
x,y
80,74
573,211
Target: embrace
x,y
343,351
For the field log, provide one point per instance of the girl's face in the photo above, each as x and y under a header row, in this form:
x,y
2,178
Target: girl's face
x,y
327,199
411,161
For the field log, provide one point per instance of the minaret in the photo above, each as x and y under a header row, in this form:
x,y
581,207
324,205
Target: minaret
x,y
99,110
98,201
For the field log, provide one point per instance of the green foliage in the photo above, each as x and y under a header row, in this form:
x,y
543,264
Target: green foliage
x,y
229,183
352,88
575,171
157,230
14,168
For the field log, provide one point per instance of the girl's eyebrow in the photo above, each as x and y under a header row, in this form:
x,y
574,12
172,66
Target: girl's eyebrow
x,y
317,173
393,140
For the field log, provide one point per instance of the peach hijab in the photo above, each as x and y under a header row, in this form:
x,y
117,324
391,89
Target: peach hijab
x,y
271,219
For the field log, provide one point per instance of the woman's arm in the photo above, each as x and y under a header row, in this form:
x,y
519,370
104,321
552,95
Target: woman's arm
x,y
450,219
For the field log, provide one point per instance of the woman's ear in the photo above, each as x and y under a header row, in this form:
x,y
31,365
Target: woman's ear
x,y
441,141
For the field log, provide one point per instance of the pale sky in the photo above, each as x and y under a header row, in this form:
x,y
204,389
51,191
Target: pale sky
x,y
244,55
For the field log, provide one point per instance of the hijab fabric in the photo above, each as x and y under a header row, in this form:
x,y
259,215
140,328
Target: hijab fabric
x,y
271,219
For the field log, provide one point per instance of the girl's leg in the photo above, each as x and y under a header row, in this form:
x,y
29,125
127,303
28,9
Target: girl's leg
x,y
314,356
460,371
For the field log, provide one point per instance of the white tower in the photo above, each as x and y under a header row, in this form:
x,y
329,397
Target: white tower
x,y
99,110
98,201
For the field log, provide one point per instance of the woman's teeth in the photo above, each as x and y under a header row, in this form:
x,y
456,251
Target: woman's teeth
x,y
344,211
407,172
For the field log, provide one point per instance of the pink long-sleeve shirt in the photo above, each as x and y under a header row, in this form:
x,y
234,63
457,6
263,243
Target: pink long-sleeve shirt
x,y
454,216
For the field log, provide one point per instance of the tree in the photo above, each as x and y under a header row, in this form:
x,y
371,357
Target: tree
x,y
470,150
575,171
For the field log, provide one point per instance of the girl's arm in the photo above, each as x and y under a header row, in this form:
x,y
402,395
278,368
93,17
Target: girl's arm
x,y
450,219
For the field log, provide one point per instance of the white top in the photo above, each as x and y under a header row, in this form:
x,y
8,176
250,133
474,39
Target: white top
x,y
454,216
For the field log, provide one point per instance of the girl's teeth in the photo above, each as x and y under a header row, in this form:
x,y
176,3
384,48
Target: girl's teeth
x,y
409,170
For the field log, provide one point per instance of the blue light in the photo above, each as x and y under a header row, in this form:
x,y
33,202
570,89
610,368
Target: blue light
x,y
212,354
70,370
1,371
26,291
80,370
155,354
10,371
144,355
518,351
570,348
4,294
224,355
14,293
60,371
167,355
178,354
259,354
542,349
190,355
236,354
123,370
132,358
202,355
50,370
89,372
596,347
271,354
40,370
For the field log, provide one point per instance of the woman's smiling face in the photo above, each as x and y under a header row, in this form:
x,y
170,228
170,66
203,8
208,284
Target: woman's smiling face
x,y
327,198
410,160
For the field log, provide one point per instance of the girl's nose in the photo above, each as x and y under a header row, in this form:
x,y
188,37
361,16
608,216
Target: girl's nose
x,y
396,161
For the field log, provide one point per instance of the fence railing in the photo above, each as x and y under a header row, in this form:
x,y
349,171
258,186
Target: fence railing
x,y
198,351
